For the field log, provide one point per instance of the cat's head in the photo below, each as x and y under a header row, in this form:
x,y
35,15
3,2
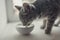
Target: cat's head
x,y
26,13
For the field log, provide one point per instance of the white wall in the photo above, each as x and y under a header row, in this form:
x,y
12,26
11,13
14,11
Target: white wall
x,y
31,1
11,16
3,19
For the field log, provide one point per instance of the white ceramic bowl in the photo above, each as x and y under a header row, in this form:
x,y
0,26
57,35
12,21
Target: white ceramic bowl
x,y
23,29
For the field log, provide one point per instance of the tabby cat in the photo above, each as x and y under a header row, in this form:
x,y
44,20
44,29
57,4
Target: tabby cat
x,y
48,9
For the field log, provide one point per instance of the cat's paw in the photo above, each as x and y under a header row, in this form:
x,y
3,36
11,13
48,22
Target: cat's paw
x,y
42,27
47,32
56,25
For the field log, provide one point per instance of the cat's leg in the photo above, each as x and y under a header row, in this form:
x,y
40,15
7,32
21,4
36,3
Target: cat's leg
x,y
51,19
49,26
57,23
44,24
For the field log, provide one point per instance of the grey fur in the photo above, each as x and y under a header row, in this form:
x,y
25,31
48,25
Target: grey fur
x,y
43,8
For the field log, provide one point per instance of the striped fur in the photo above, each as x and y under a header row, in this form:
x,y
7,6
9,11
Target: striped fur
x,y
42,8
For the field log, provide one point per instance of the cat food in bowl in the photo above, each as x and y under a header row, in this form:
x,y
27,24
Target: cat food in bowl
x,y
24,29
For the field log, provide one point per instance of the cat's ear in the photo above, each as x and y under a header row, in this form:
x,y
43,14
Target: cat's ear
x,y
18,7
26,6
